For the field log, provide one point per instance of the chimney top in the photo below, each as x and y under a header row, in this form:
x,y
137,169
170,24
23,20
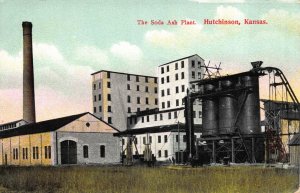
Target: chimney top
x,y
26,24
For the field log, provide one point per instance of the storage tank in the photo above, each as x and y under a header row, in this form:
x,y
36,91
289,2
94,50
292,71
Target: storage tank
x,y
210,113
227,109
249,121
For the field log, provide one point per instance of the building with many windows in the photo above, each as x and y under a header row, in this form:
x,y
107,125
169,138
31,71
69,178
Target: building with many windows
x,y
75,139
163,127
117,95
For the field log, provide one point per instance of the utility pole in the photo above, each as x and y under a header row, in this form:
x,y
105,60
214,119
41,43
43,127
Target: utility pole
x,y
178,143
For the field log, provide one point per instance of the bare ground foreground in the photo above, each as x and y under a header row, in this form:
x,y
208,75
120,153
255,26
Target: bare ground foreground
x,y
172,179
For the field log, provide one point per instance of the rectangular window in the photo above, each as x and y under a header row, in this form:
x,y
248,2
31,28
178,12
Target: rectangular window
x,y
85,151
155,80
161,116
199,64
199,75
95,110
142,119
33,152
193,63
162,93
148,118
166,153
155,90
162,70
99,85
177,89
108,108
109,120
129,110
94,86
128,86
155,117
99,97
100,108
49,152
193,74
168,104
168,91
169,115
162,80
46,152
147,101
146,79
146,89
108,97
163,105
194,114
182,64
176,66
168,69
166,138
177,102
108,84
138,110
128,99
95,98
128,77
150,139
156,101
168,79
182,88
102,150
176,138
26,153
137,88
138,100
182,75
175,115
144,140
159,139
159,153
108,74
176,76
137,79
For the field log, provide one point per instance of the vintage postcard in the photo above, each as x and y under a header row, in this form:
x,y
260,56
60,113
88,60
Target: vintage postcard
x,y
149,96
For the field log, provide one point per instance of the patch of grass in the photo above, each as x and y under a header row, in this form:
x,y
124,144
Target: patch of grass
x,y
147,180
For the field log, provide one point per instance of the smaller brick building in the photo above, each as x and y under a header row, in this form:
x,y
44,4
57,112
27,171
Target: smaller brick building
x,y
76,139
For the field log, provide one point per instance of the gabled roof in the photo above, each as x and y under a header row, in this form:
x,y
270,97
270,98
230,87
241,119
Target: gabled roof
x,y
295,141
43,126
181,59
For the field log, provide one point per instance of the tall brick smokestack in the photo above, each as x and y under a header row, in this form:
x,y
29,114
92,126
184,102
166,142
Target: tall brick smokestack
x,y
28,77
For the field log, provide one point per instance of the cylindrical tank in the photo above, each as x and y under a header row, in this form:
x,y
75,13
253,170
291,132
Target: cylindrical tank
x,y
210,113
227,109
249,121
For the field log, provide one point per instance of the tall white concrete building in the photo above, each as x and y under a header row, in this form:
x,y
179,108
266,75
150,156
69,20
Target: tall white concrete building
x,y
154,112
117,95
164,128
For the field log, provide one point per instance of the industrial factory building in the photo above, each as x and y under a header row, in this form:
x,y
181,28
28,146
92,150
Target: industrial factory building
x,y
76,139
152,113
116,95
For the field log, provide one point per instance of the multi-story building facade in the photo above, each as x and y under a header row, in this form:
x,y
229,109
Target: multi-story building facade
x,y
117,95
173,81
158,120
